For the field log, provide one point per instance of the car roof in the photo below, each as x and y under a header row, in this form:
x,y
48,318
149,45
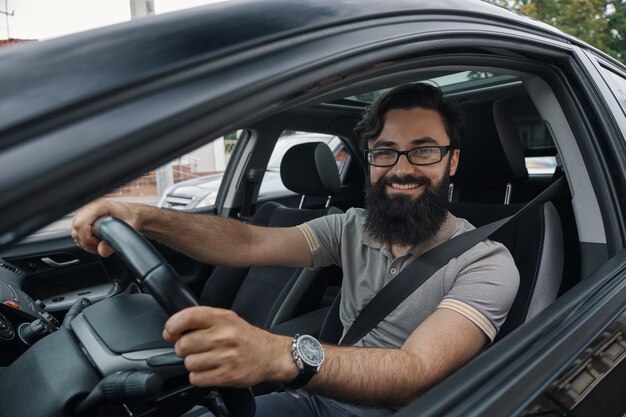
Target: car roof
x,y
129,97
66,71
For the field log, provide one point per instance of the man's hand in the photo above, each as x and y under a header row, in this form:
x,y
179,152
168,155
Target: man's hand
x,y
222,349
86,217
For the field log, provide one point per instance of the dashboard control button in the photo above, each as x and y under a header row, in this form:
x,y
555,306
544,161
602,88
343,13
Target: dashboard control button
x,y
6,329
12,303
50,319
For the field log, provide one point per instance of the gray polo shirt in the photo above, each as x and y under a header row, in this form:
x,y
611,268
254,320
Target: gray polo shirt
x,y
480,284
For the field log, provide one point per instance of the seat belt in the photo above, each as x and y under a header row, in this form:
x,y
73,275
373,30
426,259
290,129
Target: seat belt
x,y
253,177
422,268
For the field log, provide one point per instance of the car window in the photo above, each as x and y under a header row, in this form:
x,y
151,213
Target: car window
x,y
194,178
619,86
539,148
189,181
536,140
289,139
272,185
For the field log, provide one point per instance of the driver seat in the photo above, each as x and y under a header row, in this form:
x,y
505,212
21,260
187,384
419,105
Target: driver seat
x,y
257,294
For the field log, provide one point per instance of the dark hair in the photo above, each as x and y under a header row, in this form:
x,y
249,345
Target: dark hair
x,y
407,97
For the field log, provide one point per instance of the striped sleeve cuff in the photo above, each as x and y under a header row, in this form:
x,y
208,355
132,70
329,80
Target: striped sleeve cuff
x,y
311,240
472,314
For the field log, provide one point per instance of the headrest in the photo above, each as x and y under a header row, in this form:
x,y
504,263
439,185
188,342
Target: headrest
x,y
485,154
509,137
310,169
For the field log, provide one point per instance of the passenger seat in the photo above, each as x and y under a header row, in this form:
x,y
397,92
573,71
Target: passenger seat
x,y
494,170
258,294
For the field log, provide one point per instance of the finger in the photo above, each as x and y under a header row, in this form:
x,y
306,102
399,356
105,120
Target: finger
x,y
204,361
196,341
84,238
104,249
190,319
209,378
221,377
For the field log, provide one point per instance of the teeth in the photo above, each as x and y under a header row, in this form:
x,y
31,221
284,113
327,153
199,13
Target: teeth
x,y
404,186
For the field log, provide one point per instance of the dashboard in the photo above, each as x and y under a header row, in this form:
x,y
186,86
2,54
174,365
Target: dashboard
x,y
23,320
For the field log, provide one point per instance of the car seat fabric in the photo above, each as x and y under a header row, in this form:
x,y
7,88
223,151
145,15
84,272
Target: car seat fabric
x,y
493,156
536,244
256,294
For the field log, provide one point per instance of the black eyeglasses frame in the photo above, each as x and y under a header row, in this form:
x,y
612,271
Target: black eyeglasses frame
x,y
443,151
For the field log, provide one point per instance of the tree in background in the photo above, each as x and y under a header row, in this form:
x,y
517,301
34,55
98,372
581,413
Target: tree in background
x,y
601,23
617,28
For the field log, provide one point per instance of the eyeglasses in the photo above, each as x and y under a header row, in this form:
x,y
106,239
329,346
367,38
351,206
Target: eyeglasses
x,y
426,155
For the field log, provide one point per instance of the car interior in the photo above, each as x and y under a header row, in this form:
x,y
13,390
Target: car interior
x,y
512,120
504,127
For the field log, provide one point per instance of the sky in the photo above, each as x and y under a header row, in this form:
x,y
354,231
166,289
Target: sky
x,y
44,19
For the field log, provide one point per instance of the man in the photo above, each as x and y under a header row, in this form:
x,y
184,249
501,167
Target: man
x,y
412,138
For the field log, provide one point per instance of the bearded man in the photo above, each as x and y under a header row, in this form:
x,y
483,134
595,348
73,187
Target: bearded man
x,y
411,138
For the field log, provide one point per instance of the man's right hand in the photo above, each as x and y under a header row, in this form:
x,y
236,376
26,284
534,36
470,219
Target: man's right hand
x,y
86,216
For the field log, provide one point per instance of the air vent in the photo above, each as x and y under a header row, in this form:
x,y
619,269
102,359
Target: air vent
x,y
12,269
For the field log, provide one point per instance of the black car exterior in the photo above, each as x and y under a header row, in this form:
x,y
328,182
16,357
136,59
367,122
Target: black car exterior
x,y
85,113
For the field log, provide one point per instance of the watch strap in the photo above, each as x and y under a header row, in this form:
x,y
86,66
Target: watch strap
x,y
302,379
306,371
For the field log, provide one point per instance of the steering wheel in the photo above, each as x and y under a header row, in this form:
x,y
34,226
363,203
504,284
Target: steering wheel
x,y
155,274
146,264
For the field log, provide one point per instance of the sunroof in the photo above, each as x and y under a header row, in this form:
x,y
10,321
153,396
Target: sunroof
x,y
451,81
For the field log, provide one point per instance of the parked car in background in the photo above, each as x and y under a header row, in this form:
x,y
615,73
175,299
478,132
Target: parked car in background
x,y
202,191
84,114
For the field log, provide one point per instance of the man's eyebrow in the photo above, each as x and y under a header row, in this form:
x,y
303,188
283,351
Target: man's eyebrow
x,y
426,140
384,143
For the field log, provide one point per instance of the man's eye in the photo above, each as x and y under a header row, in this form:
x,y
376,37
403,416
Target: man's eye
x,y
384,153
423,151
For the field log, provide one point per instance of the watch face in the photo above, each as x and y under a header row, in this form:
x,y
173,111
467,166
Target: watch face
x,y
310,350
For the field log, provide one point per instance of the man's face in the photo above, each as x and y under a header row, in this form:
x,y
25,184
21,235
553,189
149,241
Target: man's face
x,y
404,130
406,203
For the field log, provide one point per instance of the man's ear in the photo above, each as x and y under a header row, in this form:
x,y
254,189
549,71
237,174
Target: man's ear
x,y
454,161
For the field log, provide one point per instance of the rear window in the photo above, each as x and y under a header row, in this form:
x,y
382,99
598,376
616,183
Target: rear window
x,y
539,148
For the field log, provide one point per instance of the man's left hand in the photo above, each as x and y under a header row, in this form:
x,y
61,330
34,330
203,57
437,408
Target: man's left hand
x,y
222,349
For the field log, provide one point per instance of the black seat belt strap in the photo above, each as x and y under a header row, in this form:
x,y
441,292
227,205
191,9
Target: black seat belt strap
x,y
254,177
422,268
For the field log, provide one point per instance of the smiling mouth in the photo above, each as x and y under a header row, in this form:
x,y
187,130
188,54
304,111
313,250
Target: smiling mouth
x,y
409,186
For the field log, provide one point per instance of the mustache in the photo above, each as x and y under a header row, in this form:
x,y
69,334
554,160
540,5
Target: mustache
x,y
421,180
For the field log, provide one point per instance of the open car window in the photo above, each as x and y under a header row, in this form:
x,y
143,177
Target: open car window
x,y
189,181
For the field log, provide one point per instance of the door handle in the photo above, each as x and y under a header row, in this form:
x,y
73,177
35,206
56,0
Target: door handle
x,y
54,264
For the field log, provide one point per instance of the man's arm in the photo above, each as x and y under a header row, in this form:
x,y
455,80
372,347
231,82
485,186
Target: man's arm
x,y
222,349
208,238
372,376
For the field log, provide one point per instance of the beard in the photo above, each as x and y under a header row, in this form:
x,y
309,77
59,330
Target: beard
x,y
403,220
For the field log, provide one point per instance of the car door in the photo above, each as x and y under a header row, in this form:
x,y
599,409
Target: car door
x,y
57,273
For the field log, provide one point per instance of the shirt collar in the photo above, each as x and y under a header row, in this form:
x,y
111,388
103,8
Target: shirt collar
x,y
445,232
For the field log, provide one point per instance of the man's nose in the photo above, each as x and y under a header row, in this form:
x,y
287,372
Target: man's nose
x,y
403,166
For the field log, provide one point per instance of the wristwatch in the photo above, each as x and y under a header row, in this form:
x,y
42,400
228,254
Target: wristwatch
x,y
309,355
